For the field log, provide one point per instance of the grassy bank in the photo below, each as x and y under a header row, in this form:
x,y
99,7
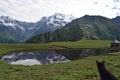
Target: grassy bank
x,y
5,48
84,69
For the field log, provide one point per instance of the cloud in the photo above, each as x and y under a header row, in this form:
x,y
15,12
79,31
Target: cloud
x,y
118,14
33,10
116,0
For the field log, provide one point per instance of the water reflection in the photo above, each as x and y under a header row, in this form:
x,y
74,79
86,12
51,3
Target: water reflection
x,y
82,53
34,58
49,57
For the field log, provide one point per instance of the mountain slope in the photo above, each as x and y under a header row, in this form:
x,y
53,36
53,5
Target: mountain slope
x,y
87,27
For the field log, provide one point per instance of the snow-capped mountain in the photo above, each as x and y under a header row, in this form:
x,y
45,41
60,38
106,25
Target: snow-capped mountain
x,y
52,23
12,30
12,23
8,21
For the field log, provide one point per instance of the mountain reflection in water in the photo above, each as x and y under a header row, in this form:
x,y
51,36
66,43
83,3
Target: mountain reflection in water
x,y
49,57
34,58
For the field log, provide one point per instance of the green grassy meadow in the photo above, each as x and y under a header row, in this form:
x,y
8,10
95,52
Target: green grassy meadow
x,y
84,69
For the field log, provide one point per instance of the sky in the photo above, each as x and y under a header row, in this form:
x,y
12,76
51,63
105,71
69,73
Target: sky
x,y
34,10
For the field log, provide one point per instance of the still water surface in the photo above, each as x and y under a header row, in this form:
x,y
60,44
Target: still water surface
x,y
49,57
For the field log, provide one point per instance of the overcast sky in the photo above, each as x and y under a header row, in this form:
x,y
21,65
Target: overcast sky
x,y
33,10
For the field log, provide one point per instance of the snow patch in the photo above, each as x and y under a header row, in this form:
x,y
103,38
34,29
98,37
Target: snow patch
x,y
31,28
2,20
21,28
10,24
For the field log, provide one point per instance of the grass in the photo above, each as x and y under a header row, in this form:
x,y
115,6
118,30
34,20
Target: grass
x,y
85,44
84,69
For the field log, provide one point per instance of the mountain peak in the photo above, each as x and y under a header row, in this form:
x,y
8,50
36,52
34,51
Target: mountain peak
x,y
7,21
116,19
6,18
53,22
93,16
58,14
60,19
64,17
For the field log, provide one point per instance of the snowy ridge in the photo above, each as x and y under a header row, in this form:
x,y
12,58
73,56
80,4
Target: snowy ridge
x,y
60,19
8,21
12,23
52,23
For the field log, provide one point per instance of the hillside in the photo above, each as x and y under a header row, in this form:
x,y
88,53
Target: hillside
x,y
86,27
